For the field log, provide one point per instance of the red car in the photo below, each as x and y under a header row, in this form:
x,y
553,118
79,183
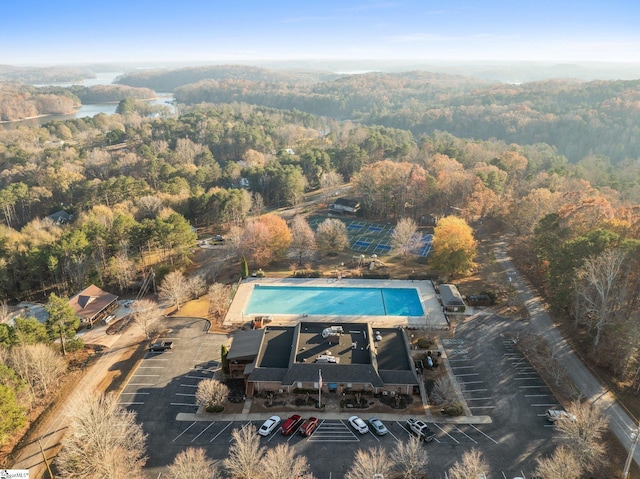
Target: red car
x,y
290,424
309,426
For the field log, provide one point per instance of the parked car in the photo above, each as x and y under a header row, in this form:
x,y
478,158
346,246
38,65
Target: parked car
x,y
421,429
358,424
161,346
290,424
377,426
554,415
309,426
269,426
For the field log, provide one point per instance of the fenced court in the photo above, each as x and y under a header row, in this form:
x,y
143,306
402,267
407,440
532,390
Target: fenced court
x,y
373,238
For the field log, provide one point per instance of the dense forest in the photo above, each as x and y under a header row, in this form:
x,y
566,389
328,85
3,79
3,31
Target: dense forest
x,y
136,184
580,119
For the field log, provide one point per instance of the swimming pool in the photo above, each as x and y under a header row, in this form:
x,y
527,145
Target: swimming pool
x,y
334,301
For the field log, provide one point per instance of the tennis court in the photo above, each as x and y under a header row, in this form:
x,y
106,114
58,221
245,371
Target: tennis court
x,y
374,238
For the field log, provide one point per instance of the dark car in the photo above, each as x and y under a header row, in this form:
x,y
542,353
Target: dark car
x,y
309,426
161,346
290,424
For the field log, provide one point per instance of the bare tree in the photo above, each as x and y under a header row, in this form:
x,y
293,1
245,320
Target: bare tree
x,y
121,269
404,238
145,314
257,204
245,455
330,181
197,285
563,464
371,463
331,236
4,311
410,459
582,432
218,299
471,466
148,206
39,365
445,391
192,463
281,461
104,440
303,240
211,393
601,290
174,288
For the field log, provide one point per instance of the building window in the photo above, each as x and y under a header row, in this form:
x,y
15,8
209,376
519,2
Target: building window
x,y
299,385
349,385
315,385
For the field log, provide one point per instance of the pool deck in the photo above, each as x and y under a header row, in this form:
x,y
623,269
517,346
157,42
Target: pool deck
x,y
434,317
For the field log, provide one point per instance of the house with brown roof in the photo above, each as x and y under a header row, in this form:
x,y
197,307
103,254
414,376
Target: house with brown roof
x,y
92,304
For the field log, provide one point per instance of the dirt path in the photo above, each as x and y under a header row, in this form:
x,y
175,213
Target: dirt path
x,y
98,377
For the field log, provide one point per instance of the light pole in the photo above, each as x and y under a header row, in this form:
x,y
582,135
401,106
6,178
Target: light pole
x,y
635,435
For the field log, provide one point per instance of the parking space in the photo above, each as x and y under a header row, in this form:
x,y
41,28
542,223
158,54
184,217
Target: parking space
x,y
530,385
474,389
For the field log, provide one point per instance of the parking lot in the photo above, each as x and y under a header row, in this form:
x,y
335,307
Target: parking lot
x,y
498,381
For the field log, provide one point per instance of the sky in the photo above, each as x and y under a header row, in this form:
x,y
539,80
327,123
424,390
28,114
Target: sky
x,y
224,31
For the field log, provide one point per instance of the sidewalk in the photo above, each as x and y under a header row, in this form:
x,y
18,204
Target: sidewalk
x,y
241,417
620,423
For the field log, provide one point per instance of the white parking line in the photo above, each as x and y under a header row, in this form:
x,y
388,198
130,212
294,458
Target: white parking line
x,y
203,431
185,394
223,430
482,407
474,390
446,433
471,382
464,434
477,399
544,405
462,367
526,379
183,404
189,427
130,403
189,385
468,374
193,377
538,395
485,435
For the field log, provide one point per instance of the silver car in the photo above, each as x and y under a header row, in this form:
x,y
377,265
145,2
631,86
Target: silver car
x,y
377,426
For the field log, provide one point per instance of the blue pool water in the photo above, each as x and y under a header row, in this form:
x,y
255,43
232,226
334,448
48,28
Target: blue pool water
x,y
336,301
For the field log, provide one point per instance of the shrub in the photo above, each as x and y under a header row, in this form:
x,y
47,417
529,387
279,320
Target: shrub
x,y
454,409
425,343
218,408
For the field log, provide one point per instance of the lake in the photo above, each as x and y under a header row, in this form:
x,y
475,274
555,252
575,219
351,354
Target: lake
x,y
89,109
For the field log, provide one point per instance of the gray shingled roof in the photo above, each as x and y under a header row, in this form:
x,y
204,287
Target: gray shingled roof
x,y
246,344
333,373
450,295
268,374
399,377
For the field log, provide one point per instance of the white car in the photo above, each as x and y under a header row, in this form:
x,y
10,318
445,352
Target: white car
x,y
269,426
358,424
